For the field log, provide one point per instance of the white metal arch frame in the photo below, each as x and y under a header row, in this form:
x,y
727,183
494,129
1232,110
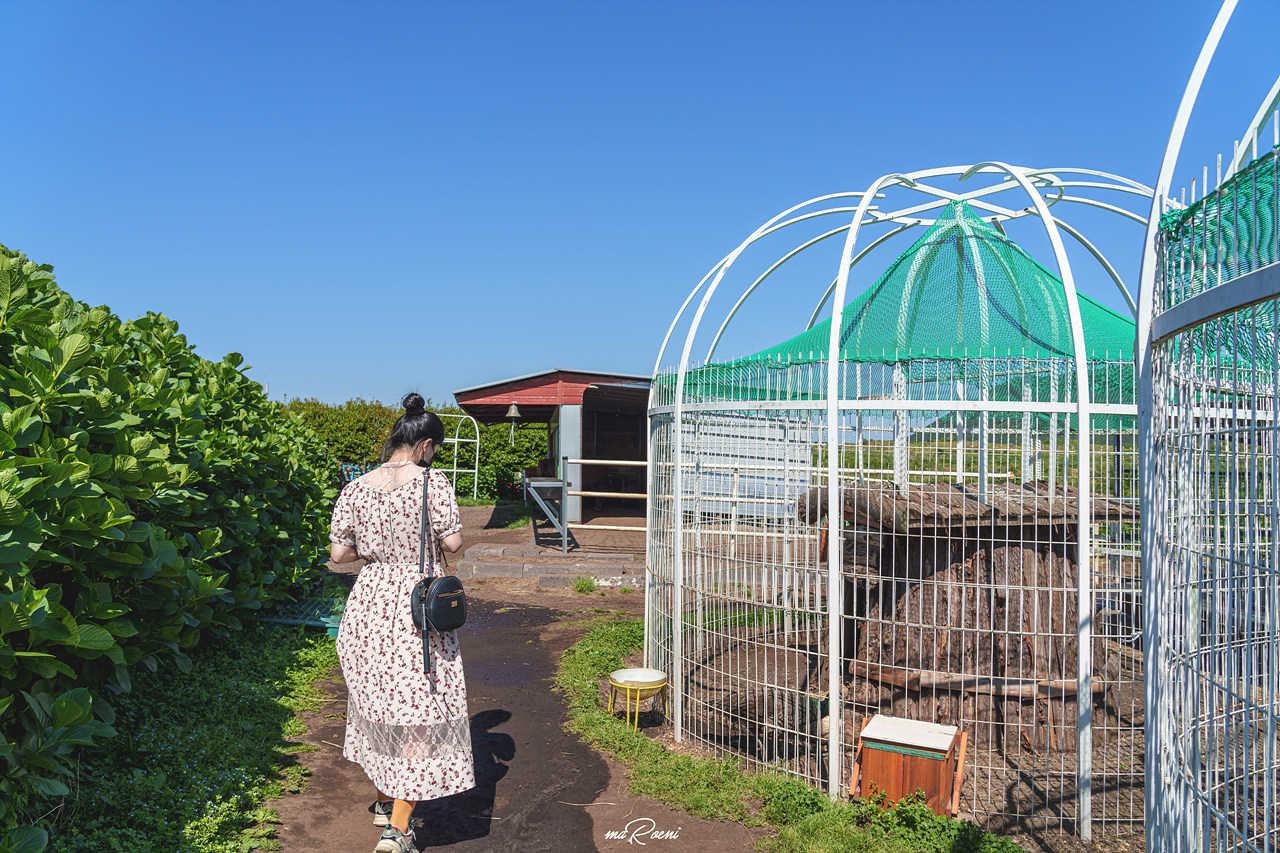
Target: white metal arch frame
x,y
1247,145
1045,184
835,567
458,440
1040,192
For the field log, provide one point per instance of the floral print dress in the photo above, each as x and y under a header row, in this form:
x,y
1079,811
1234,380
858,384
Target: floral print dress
x,y
408,729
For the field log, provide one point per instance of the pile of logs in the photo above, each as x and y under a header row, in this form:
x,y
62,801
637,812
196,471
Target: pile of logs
x,y
881,506
960,610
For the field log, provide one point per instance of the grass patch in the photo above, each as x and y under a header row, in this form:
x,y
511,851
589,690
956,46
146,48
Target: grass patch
x,y
465,501
584,585
721,789
523,517
872,825
198,754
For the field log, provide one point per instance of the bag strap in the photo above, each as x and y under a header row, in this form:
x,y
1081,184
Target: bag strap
x,y
423,557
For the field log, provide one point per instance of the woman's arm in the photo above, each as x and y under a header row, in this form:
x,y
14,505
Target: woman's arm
x,y
342,528
445,515
343,553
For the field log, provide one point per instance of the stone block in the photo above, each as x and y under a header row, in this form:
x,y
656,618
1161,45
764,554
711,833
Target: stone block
x,y
490,569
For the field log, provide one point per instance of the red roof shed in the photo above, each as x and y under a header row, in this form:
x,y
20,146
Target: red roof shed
x,y
538,395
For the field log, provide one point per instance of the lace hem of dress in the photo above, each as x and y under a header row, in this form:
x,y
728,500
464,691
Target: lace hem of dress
x,y
437,740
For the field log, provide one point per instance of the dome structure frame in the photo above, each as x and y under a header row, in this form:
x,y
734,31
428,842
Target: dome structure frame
x,y
1001,193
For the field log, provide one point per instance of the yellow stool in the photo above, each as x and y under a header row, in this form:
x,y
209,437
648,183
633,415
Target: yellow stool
x,y
637,684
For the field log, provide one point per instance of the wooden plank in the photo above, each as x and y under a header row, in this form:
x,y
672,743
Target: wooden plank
x,y
582,494
959,781
918,734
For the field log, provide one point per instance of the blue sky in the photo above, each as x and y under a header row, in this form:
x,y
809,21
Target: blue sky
x,y
370,198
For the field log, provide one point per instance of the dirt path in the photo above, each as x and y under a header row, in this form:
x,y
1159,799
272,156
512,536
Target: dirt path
x,y
539,788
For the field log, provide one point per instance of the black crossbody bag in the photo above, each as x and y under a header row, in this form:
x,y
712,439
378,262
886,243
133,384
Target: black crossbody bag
x,y
437,603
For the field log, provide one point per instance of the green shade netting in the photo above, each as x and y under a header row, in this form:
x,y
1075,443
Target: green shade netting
x,y
963,290
1226,234
961,295
1242,212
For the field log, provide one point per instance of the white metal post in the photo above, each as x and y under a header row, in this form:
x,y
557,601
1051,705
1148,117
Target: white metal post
x,y
901,427
1084,591
1159,725
835,502
1027,447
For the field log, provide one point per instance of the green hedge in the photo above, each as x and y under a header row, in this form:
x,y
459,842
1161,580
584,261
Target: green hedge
x,y
354,431
147,495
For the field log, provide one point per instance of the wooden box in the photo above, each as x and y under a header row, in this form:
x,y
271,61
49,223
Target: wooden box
x,y
900,756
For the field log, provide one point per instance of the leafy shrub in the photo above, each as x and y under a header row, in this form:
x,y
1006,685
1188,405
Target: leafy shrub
x,y
584,585
353,431
146,495
498,482
24,839
793,801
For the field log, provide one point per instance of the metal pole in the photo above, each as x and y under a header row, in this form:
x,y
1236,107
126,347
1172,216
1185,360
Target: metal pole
x,y
1027,417
901,428
983,425
835,502
1084,586
564,504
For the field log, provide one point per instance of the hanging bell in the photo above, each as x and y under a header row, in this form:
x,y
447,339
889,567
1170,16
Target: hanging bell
x,y
513,412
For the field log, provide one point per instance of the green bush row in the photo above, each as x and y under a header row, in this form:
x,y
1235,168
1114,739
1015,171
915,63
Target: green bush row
x,y
146,495
353,432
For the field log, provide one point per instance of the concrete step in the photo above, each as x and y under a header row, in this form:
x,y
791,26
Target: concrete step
x,y
514,567
565,581
534,551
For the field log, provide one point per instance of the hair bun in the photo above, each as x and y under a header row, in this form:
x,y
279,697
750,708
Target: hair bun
x,y
414,404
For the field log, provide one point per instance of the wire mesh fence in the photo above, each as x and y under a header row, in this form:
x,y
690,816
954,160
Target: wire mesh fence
x,y
1214,509
959,569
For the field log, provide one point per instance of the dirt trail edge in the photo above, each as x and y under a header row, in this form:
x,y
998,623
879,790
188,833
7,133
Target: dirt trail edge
x,y
539,788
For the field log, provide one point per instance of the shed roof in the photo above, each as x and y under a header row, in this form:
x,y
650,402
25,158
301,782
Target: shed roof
x,y
538,395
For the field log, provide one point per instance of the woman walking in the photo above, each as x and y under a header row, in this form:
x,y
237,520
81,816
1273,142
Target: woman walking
x,y
406,728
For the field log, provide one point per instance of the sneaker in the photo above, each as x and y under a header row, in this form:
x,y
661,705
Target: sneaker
x,y
395,841
381,810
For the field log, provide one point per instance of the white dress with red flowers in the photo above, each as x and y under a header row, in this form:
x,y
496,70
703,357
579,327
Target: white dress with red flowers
x,y
407,729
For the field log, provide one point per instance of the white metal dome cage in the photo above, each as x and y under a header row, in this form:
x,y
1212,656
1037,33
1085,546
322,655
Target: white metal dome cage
x,y
897,511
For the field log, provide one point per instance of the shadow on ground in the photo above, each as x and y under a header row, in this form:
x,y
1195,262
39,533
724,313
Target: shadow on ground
x,y
469,815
